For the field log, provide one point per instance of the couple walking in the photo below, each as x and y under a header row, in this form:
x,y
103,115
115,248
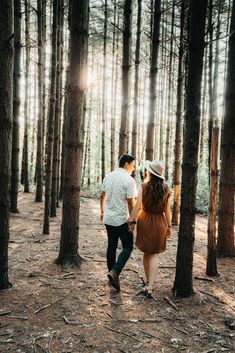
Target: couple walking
x,y
120,213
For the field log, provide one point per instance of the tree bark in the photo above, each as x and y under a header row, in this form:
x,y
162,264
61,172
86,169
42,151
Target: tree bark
x,y
153,76
25,157
39,161
16,108
227,174
50,122
104,93
136,90
57,124
73,147
211,267
126,65
6,123
183,285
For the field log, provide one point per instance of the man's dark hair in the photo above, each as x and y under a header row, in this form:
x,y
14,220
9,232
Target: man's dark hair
x,y
125,158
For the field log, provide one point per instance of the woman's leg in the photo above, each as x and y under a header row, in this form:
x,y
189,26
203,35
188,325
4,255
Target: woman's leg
x,y
146,258
153,269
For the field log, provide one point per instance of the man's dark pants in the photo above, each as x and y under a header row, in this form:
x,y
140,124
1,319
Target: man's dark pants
x,y
114,234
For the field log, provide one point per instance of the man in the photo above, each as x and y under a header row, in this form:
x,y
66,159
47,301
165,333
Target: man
x,y
116,203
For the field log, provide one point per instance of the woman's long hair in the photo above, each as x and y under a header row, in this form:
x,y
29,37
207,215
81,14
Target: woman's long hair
x,y
155,186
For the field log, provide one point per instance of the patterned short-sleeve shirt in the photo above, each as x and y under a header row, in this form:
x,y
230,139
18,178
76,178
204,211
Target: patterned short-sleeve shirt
x,y
118,187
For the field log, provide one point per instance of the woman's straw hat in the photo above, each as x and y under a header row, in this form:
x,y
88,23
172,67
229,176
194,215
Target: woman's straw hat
x,y
156,168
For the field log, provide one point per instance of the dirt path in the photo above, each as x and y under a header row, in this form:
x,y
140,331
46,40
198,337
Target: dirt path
x,y
48,310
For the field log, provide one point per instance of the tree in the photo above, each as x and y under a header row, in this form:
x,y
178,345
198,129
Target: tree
x,y
39,159
126,65
104,92
51,119
25,157
78,25
136,93
6,123
183,285
153,76
16,108
178,130
57,120
225,245
211,266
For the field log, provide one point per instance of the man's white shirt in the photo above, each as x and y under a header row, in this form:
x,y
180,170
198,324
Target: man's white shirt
x,y
118,187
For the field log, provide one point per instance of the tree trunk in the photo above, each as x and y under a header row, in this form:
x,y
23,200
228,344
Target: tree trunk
x,y
183,285
6,123
136,91
56,142
153,76
210,78
73,147
50,122
211,267
25,165
126,65
113,111
16,108
104,93
227,174
39,161
169,98
178,131
204,111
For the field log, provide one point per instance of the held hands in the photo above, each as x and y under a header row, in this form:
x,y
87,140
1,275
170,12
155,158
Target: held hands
x,y
131,226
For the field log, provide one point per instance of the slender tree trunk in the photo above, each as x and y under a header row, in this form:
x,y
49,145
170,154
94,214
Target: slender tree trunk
x,y
16,108
104,93
62,168
169,99
39,161
183,285
211,267
113,112
25,165
136,91
153,76
75,94
204,111
126,65
50,122
178,131
56,142
210,77
227,173
6,123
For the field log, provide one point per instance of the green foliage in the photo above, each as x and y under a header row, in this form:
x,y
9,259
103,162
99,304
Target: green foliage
x,y
202,197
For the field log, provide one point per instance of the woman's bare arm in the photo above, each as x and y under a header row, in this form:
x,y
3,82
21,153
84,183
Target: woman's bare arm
x,y
137,206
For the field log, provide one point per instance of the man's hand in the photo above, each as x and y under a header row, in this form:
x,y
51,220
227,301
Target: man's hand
x,y
101,216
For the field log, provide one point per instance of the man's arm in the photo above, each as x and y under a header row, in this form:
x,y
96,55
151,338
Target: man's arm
x,y
131,204
102,203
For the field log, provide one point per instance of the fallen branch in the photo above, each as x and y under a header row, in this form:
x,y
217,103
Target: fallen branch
x,y
171,303
70,322
46,306
180,330
149,334
204,279
121,332
2,313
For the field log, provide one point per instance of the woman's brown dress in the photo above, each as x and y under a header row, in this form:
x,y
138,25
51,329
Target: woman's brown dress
x,y
152,224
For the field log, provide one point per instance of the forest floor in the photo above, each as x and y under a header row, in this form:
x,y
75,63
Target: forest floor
x,y
55,311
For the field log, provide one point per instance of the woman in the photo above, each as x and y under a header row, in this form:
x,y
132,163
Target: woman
x,y
153,214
